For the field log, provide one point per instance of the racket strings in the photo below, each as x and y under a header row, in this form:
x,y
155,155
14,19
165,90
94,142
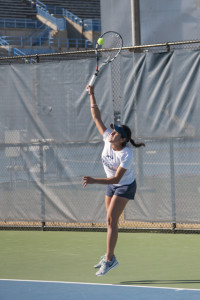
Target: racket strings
x,y
111,40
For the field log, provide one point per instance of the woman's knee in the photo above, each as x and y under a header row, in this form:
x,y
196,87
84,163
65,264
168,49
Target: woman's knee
x,y
112,221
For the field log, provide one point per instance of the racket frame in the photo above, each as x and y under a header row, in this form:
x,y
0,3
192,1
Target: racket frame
x,y
98,50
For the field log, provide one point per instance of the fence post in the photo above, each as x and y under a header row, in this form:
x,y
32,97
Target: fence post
x,y
37,58
41,162
172,174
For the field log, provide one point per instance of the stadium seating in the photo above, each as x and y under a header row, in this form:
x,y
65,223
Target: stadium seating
x,y
22,31
85,9
17,9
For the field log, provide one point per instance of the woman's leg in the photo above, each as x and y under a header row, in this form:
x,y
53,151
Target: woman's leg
x,y
107,202
114,207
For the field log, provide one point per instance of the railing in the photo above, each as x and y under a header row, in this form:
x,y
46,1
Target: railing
x,y
18,52
92,25
41,4
72,17
56,10
37,51
44,36
87,24
39,41
5,44
59,22
19,23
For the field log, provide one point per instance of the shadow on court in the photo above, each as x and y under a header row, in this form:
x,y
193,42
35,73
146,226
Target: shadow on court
x,y
161,282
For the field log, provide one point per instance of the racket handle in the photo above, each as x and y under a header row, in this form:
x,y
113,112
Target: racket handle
x,y
92,80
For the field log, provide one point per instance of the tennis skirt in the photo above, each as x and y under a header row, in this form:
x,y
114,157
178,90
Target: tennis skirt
x,y
125,191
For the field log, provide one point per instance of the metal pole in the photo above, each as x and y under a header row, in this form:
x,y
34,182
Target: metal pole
x,y
41,161
172,179
136,41
135,19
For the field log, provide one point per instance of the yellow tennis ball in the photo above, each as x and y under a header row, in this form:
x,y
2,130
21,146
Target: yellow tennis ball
x,y
100,41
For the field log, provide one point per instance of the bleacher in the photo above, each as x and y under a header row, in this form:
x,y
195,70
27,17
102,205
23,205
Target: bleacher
x,y
24,22
17,9
84,9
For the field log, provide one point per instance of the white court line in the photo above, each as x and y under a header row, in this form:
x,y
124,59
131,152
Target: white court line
x,y
101,284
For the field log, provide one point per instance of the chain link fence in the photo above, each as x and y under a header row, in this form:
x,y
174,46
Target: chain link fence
x,y
37,175
46,171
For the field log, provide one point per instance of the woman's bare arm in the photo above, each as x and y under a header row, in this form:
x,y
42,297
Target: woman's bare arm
x,y
95,112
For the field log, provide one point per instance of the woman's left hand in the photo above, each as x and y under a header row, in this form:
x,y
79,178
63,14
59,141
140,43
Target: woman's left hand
x,y
87,180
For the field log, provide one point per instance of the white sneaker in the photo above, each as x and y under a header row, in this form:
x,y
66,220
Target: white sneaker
x,y
100,262
107,266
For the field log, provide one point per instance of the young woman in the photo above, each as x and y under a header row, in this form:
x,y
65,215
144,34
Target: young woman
x,y
120,183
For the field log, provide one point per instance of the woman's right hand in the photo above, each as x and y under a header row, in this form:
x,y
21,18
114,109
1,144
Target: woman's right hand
x,y
87,180
90,89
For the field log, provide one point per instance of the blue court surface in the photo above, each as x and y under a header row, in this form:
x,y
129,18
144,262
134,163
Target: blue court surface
x,y
52,290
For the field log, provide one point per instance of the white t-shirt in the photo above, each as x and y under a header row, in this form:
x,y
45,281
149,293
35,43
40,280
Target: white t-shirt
x,y
112,159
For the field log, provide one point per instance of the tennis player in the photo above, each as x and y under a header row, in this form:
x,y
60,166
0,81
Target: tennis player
x,y
120,183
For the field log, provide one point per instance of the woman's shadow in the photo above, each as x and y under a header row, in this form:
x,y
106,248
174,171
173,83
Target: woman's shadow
x,y
161,282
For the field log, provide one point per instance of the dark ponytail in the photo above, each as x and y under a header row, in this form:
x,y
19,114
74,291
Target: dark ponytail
x,y
137,145
129,139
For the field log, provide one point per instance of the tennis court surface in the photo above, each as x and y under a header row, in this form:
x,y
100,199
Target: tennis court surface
x,y
59,265
13,289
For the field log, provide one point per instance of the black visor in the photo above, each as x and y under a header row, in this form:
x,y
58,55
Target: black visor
x,y
120,129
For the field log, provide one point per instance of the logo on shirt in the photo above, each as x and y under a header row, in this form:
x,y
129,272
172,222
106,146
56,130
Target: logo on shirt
x,y
107,163
109,156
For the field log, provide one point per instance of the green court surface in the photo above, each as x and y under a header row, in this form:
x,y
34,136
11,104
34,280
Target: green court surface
x,y
145,259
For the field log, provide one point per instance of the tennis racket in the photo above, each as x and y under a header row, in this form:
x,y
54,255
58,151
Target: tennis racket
x,y
112,40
